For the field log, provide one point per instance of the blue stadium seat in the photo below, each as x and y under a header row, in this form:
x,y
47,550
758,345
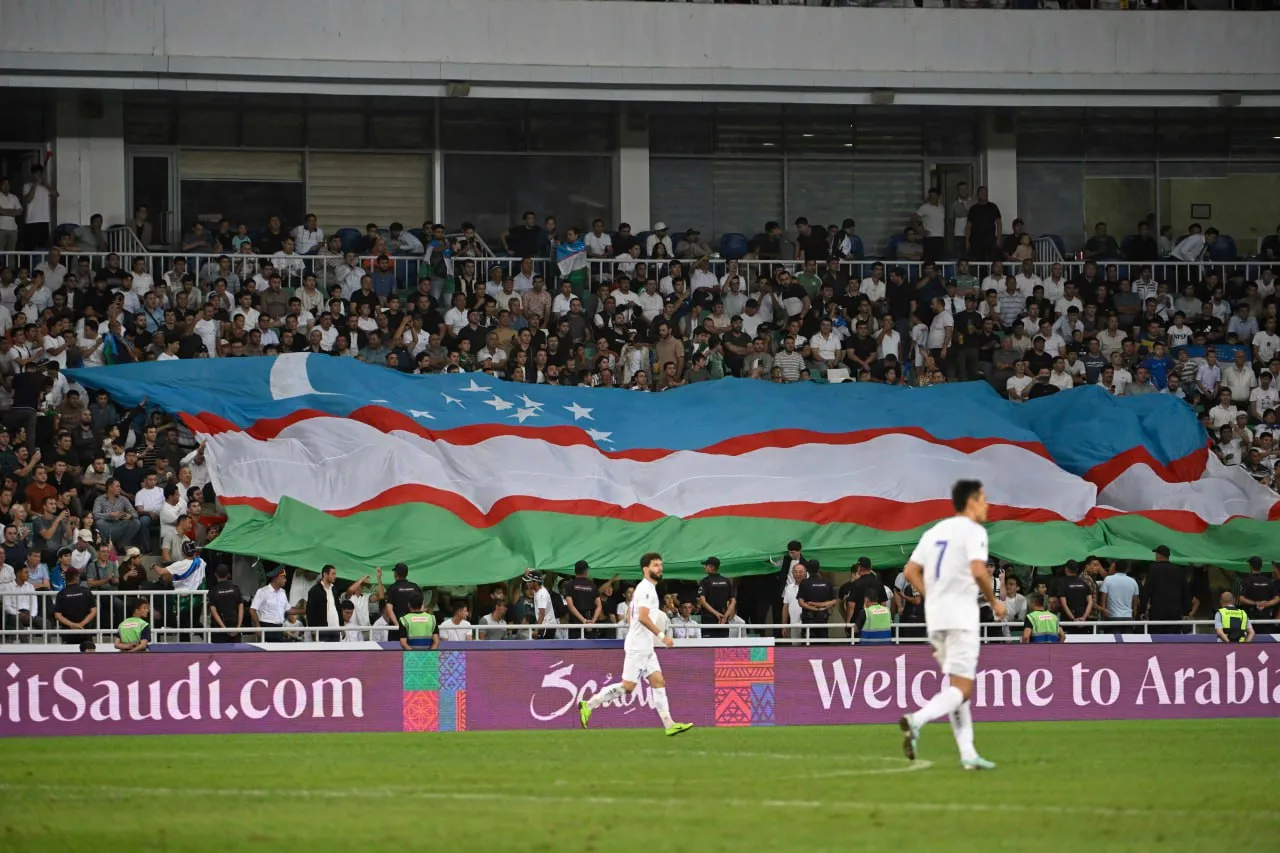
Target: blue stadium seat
x,y
643,238
856,247
255,236
891,247
350,238
420,234
65,228
733,246
1223,249
1127,243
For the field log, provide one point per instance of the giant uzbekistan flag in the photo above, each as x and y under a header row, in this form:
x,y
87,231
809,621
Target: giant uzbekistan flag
x,y
470,479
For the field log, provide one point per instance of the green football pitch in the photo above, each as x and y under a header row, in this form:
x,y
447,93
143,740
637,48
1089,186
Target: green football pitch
x,y
1170,786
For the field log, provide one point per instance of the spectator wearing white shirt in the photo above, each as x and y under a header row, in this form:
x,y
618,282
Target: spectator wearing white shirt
x,y
1225,413
683,626
1059,377
349,274
1239,379
599,242
873,286
53,268
1055,285
1112,338
1266,343
402,242
21,604
309,236
702,278
1180,334
933,216
826,346
1191,247
270,607
941,329
996,279
1263,397
288,263
1027,279
456,628
1019,384
10,210
659,235
1144,286
1121,377
456,317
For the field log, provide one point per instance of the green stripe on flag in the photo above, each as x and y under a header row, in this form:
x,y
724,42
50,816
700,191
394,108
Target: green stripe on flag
x,y
442,550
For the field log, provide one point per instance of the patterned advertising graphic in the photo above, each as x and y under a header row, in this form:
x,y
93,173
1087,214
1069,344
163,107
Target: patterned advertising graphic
x,y
489,689
744,687
435,691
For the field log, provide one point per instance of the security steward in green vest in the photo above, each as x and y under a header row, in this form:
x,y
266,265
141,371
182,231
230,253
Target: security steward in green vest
x,y
877,623
1230,623
1041,626
418,627
134,633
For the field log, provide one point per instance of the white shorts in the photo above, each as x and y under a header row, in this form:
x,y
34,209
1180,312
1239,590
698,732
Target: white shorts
x,y
956,652
640,665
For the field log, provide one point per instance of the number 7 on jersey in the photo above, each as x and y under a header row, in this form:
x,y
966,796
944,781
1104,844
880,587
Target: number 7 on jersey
x,y
942,551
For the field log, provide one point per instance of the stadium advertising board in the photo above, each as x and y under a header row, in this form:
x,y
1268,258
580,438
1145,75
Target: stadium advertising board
x,y
192,693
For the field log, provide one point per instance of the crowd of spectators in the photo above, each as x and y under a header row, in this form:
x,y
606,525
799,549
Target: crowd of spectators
x,y
815,603
103,494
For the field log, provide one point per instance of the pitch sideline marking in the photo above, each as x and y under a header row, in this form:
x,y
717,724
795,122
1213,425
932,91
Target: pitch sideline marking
x,y
63,792
907,766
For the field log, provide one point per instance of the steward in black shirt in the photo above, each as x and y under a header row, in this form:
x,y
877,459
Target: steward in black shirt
x,y
716,601
818,592
398,597
584,601
75,608
1258,596
226,605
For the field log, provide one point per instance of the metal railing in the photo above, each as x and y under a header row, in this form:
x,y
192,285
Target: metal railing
x,y
407,269
176,616
183,617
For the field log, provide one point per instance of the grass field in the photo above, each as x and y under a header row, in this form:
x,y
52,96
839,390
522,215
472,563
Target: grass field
x,y
1072,786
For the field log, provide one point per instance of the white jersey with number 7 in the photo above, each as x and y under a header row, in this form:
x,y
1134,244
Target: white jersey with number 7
x,y
950,593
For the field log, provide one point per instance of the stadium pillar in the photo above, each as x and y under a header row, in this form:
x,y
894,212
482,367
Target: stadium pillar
x,y
631,171
88,167
1000,166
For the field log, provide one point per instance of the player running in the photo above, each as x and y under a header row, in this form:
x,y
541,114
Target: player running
x,y
641,660
950,567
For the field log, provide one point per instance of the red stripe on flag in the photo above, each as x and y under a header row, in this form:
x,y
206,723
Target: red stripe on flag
x,y
878,513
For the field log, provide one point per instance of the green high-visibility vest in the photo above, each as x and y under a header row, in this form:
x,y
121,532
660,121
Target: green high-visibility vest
x,y
131,629
1044,626
418,626
1235,623
877,624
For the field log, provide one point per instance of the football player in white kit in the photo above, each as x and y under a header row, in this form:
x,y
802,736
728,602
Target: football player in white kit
x,y
641,660
950,567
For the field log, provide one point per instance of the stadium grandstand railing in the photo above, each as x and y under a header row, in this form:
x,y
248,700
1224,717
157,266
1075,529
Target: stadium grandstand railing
x,y
409,268
180,616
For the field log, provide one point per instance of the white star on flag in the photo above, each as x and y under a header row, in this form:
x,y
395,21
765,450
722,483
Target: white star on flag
x,y
532,404
448,400
598,436
499,404
420,414
522,414
474,388
579,412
